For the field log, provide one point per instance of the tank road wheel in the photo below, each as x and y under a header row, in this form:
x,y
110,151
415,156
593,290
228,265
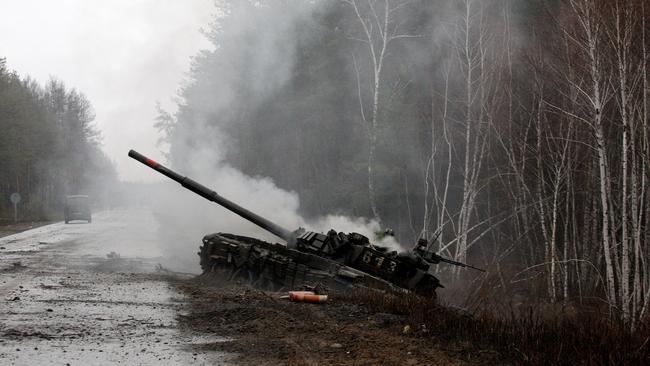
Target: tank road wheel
x,y
245,275
210,266
252,277
204,258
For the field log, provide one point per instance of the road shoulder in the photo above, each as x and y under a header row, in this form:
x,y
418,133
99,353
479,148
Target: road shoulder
x,y
266,330
11,229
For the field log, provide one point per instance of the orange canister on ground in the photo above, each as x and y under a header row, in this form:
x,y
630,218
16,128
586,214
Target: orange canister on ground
x,y
307,296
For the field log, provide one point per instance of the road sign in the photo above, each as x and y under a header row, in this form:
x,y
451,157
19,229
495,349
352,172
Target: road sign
x,y
15,198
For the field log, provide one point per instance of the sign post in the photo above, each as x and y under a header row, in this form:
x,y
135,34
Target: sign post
x,y
15,199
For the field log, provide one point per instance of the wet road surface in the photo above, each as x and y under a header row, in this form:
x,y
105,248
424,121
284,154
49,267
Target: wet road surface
x,y
87,294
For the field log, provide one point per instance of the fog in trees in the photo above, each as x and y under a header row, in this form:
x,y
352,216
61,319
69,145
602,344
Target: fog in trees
x,y
517,131
49,148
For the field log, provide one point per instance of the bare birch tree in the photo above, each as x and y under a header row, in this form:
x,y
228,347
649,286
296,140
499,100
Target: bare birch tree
x,y
380,25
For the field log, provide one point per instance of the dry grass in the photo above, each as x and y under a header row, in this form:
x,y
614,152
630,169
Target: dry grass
x,y
578,337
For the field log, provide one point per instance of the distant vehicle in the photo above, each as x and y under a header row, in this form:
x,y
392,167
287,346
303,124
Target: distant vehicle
x,y
77,208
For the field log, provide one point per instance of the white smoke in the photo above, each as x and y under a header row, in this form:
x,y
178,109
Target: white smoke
x,y
186,217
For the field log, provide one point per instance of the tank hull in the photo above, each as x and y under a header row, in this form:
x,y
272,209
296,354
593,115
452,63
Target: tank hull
x,y
276,267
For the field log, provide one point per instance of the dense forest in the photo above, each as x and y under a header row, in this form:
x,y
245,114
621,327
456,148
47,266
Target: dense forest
x,y
518,131
49,148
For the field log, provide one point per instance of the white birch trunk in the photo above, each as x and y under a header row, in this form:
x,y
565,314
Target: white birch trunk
x,y
587,18
377,43
621,46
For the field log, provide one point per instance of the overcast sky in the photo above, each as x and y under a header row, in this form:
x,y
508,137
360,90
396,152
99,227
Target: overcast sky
x,y
123,54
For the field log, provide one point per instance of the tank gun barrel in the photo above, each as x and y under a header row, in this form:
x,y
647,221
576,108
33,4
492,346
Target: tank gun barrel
x,y
213,196
435,258
460,264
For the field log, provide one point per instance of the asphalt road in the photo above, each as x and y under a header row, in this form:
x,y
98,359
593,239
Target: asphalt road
x,y
91,294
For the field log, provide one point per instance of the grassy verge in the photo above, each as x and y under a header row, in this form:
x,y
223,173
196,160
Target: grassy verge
x,y
11,228
579,338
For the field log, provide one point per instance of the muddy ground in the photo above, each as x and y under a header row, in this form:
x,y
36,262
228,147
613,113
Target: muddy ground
x,y
267,330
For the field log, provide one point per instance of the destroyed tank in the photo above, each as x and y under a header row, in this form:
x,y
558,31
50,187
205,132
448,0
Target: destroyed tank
x,y
334,260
